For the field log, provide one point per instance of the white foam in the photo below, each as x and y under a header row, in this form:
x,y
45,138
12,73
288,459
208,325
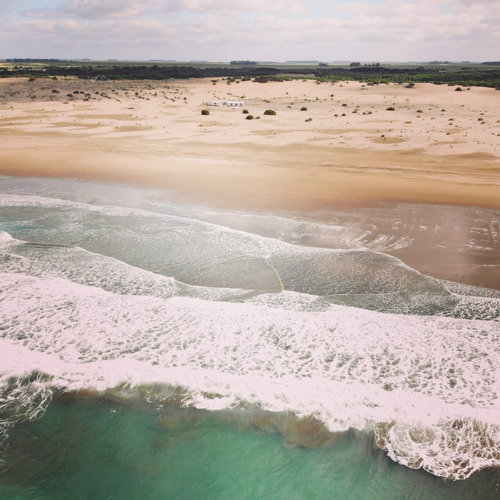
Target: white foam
x,y
83,267
348,367
427,386
5,237
476,308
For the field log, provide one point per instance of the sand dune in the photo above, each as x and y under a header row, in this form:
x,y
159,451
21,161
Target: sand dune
x,y
437,145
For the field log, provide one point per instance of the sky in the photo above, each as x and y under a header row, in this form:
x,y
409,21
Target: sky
x,y
260,30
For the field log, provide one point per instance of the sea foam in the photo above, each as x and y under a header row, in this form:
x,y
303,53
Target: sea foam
x,y
113,299
347,366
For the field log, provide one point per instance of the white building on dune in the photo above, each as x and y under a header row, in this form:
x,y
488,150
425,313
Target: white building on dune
x,y
234,104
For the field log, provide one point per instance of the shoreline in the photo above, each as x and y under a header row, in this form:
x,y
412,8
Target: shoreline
x,y
302,184
438,148
152,133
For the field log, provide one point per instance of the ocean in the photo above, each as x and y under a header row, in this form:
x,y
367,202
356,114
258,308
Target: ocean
x,y
152,347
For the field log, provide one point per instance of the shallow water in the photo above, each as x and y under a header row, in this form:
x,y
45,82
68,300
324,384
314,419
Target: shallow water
x,y
100,450
135,295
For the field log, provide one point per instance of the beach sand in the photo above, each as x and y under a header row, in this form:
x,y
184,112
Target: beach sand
x,y
353,145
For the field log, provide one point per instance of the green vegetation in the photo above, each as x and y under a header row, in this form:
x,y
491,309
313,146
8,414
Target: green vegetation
x,y
249,117
303,108
243,63
245,111
390,108
460,74
205,112
269,112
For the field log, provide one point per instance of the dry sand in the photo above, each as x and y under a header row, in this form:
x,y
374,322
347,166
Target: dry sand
x,y
437,146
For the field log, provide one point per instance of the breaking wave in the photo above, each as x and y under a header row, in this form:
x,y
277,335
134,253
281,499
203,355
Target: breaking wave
x,y
130,302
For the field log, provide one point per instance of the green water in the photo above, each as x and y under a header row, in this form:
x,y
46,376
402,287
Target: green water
x,y
84,450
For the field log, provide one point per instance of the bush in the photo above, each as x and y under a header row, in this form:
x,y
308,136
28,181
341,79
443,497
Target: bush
x,y
205,112
245,111
303,108
269,112
390,108
249,117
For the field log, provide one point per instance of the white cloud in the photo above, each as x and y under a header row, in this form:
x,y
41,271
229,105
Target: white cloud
x,y
224,6
8,6
279,30
97,9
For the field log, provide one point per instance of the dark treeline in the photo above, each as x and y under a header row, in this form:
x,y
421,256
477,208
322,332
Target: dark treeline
x,y
30,60
139,72
243,63
465,76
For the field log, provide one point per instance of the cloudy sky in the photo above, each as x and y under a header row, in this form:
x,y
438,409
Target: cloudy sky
x,y
277,30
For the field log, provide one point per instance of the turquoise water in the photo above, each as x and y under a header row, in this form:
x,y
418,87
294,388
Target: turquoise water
x,y
83,450
152,347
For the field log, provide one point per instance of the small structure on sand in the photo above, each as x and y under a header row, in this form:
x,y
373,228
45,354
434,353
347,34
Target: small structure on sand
x,y
234,104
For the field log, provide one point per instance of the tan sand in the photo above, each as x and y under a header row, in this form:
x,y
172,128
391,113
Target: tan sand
x,y
437,146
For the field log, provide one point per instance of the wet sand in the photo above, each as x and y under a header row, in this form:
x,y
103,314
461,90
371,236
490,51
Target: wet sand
x,y
354,145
